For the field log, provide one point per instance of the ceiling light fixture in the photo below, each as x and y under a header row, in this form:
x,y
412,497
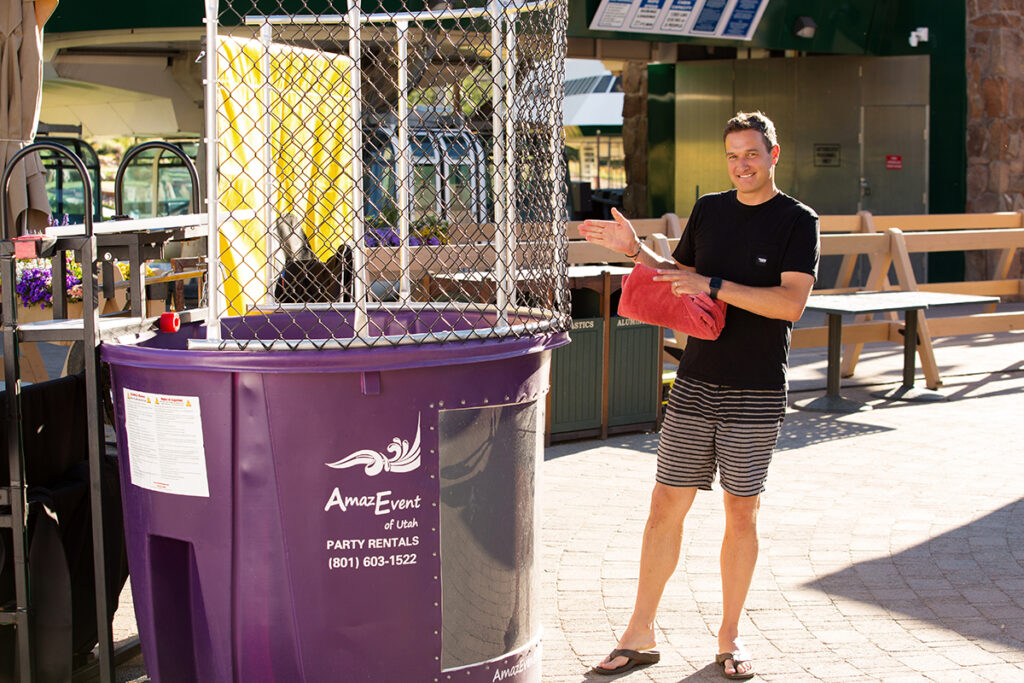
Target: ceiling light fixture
x,y
804,27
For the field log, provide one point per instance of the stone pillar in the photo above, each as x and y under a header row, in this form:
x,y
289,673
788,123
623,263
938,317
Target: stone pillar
x,y
995,116
634,138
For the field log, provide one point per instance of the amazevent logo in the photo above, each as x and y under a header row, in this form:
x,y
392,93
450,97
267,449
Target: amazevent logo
x,y
404,457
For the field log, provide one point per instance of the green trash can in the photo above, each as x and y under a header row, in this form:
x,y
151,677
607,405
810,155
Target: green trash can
x,y
576,379
634,368
634,374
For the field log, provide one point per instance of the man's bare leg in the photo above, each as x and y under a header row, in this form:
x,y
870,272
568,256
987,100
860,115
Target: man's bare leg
x,y
659,555
738,558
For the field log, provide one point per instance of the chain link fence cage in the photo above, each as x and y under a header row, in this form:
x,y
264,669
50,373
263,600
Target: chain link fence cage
x,y
385,173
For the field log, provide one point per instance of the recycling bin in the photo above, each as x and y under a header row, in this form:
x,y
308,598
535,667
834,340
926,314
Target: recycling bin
x,y
579,371
576,379
634,373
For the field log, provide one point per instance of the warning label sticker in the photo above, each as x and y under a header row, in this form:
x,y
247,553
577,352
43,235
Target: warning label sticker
x,y
165,443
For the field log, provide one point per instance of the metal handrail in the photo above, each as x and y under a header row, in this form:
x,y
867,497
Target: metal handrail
x,y
59,149
139,149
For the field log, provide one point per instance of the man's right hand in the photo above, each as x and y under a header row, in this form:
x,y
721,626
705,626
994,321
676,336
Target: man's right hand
x,y
617,235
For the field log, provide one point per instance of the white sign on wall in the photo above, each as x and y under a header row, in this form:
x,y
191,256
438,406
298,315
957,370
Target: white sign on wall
x,y
728,19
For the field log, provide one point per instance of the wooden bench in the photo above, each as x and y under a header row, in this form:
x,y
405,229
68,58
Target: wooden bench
x,y
876,248
1000,232
888,242
473,248
1006,241
582,252
837,239
480,254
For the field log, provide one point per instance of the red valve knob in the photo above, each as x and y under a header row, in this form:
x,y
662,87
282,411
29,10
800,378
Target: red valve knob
x,y
170,322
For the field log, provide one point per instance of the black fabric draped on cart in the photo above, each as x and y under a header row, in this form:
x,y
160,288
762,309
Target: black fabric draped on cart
x,y
61,574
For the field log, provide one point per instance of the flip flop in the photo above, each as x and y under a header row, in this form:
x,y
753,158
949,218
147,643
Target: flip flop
x,y
635,658
737,658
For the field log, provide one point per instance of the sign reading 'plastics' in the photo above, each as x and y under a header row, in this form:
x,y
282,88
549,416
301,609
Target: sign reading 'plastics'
x,y
729,19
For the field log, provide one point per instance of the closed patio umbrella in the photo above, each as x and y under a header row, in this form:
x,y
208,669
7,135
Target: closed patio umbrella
x,y
21,80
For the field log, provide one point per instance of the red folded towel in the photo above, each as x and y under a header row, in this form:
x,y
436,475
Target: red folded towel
x,y
652,302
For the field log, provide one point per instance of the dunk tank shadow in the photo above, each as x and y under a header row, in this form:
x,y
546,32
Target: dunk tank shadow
x,y
969,580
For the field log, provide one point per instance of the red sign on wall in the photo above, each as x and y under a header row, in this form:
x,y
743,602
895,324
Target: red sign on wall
x,y
894,162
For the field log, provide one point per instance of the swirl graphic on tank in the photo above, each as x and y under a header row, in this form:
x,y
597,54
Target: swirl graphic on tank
x,y
405,457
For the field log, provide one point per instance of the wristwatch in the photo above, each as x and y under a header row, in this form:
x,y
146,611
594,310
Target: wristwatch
x,y
639,248
714,286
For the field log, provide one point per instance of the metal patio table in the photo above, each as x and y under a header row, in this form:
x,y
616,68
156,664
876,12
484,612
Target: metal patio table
x,y
837,305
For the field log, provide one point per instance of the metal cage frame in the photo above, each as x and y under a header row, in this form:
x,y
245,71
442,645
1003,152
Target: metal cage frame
x,y
511,314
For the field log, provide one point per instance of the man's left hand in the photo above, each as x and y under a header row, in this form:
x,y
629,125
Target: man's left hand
x,y
684,281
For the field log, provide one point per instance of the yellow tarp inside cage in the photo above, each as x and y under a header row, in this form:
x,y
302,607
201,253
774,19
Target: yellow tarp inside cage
x,y
307,94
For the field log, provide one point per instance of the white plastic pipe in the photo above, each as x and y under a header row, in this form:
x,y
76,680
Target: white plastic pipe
x,y
511,212
212,178
359,288
498,100
275,259
404,161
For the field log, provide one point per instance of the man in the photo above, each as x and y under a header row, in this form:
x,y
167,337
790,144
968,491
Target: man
x,y
756,249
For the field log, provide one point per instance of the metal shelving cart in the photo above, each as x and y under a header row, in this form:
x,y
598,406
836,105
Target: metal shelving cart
x,y
95,247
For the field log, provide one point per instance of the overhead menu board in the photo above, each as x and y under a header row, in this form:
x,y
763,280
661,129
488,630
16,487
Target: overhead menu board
x,y
728,19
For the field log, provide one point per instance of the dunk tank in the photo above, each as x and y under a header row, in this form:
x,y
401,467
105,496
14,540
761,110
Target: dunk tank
x,y
334,476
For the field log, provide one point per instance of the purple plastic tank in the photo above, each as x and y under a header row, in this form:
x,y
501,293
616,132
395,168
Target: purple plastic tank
x,y
357,515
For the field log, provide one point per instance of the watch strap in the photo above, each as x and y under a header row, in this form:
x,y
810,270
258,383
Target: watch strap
x,y
714,286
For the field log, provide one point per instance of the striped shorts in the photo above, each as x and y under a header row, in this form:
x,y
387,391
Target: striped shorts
x,y
710,426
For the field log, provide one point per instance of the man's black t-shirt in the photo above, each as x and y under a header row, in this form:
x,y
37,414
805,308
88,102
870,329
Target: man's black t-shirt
x,y
749,245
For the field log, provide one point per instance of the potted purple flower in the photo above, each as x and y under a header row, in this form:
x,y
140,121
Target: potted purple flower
x,y
382,230
34,288
379,235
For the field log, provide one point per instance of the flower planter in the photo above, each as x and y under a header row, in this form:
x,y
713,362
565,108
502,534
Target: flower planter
x,y
34,314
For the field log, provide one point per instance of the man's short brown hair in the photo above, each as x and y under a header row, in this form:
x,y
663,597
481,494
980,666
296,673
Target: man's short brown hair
x,y
752,121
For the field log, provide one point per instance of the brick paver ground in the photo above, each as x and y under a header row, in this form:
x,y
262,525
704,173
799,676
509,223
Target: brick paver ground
x,y
892,546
